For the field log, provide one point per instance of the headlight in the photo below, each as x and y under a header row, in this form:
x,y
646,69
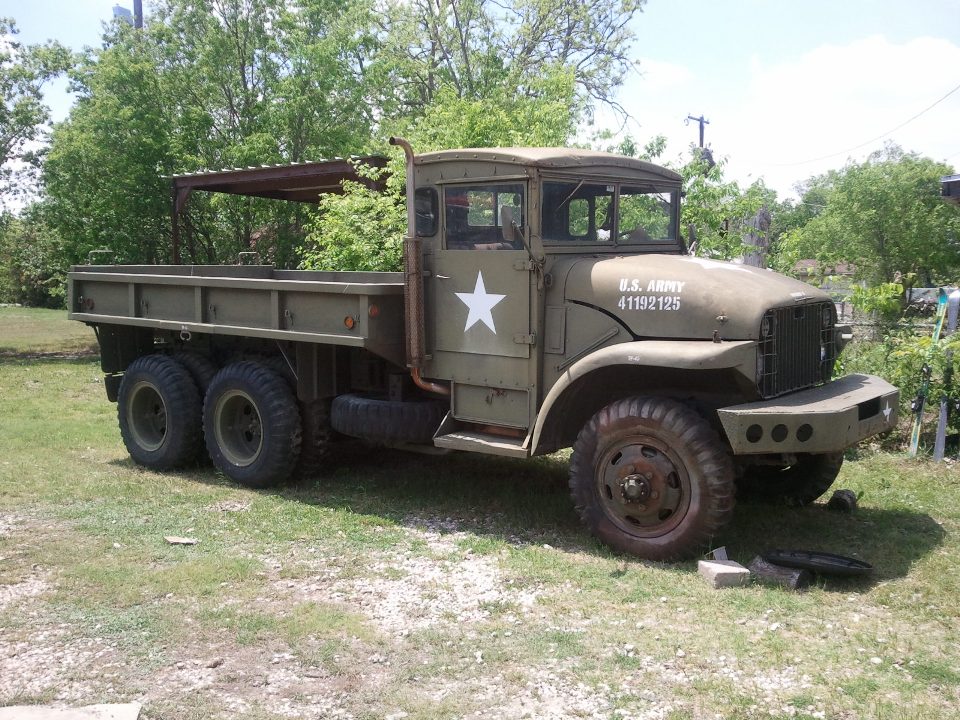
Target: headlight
x,y
767,326
826,316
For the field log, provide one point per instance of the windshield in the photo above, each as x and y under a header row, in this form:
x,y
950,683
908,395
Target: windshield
x,y
582,212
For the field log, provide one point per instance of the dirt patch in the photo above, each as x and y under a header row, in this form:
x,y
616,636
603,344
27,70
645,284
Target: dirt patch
x,y
6,354
406,590
31,587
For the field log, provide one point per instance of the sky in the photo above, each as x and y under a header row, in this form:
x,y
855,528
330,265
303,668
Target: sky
x,y
791,88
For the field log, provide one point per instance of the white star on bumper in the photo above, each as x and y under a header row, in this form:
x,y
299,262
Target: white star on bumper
x,y
480,303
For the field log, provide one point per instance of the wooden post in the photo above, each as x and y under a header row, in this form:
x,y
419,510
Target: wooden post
x,y
770,574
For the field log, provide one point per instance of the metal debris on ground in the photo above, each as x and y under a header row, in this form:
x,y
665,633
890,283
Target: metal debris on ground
x,y
843,501
819,562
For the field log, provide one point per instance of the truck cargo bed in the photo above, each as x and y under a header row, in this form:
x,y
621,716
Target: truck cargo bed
x,y
357,309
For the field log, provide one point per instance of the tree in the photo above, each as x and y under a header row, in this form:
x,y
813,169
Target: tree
x,y
105,173
479,48
205,85
363,229
718,209
213,84
24,69
471,73
32,268
883,216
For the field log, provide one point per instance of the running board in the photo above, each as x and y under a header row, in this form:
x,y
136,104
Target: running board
x,y
482,442
452,435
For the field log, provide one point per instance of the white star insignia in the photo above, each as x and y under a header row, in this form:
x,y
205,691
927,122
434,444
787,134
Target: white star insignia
x,y
480,303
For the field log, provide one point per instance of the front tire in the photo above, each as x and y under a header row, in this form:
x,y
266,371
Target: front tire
x,y
252,425
158,409
798,484
650,477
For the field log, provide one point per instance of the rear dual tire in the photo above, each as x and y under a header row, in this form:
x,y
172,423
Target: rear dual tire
x,y
248,418
158,408
252,425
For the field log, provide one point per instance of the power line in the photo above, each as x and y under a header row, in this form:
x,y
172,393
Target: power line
x,y
872,140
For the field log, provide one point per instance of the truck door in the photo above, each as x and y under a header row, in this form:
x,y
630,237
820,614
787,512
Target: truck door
x,y
481,288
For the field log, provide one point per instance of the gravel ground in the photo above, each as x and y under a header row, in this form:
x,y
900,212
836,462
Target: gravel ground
x,y
444,589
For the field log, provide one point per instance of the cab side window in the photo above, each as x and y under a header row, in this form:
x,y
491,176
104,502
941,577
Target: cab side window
x,y
484,217
425,202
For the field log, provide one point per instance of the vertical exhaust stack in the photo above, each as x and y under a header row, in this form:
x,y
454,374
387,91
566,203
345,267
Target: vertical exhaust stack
x,y
413,283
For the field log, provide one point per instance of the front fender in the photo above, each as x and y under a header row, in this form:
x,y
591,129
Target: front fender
x,y
740,355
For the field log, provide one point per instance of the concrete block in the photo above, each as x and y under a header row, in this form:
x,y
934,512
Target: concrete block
x,y
125,711
723,573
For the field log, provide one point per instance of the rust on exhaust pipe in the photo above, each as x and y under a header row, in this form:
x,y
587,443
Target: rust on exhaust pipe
x,y
413,284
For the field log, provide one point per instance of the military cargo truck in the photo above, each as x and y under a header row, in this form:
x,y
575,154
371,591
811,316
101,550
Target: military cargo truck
x,y
547,301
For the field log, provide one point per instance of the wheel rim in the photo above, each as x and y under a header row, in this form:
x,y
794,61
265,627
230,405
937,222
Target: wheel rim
x,y
238,428
643,486
147,416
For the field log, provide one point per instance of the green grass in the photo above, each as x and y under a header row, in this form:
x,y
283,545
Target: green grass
x,y
37,330
293,581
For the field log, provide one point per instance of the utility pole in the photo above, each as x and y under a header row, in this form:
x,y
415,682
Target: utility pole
x,y
701,120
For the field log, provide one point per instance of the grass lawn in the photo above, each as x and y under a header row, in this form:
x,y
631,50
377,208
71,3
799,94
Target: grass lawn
x,y
31,331
400,585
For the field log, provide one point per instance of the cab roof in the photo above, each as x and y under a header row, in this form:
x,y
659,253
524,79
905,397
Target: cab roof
x,y
559,158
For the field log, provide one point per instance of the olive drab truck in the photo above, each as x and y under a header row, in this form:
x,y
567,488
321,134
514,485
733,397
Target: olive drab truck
x,y
547,301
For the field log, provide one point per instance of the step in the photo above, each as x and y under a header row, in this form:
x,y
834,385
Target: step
x,y
472,441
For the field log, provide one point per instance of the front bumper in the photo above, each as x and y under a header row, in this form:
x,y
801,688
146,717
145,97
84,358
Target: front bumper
x,y
823,419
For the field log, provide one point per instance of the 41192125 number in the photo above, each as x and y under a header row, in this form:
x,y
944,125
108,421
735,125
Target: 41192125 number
x,y
649,302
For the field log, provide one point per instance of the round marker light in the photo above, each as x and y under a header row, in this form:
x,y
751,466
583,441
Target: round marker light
x,y
373,311
349,323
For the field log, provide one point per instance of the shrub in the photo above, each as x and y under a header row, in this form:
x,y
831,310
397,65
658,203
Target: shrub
x,y
359,230
899,358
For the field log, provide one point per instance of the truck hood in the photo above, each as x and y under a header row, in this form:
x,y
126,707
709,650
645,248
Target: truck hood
x,y
679,296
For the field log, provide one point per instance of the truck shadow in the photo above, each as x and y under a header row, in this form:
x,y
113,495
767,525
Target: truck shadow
x,y
526,502
890,540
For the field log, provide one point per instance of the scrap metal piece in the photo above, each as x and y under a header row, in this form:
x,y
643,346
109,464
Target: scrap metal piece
x,y
818,562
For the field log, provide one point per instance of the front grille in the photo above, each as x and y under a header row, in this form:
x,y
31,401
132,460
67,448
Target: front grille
x,y
796,348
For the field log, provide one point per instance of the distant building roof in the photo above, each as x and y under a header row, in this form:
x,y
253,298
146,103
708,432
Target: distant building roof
x,y
950,188
812,267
